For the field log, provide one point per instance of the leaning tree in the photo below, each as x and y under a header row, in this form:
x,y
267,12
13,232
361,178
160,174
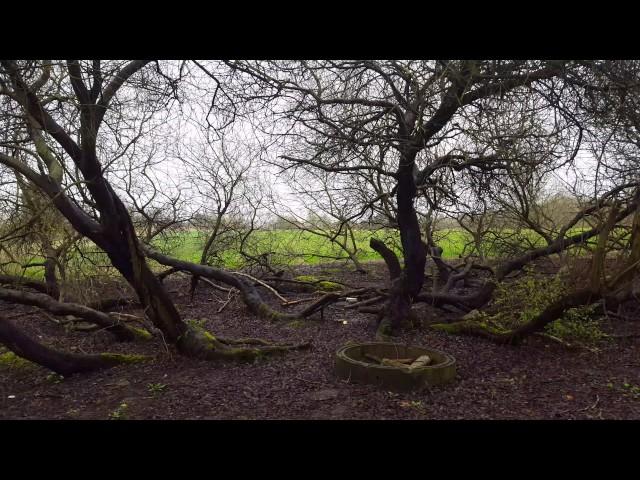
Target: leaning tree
x,y
66,117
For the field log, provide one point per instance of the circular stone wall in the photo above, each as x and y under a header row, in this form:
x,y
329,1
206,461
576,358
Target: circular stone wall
x,y
352,365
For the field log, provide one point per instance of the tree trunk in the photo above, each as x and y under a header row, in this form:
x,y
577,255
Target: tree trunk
x,y
50,277
410,282
128,259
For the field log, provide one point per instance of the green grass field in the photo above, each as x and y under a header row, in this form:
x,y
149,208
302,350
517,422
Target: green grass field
x,y
291,247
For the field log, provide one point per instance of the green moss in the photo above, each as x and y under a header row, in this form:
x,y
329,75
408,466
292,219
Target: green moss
x,y
120,413
124,358
297,324
307,278
466,325
328,286
318,284
11,360
141,333
197,324
265,312
446,327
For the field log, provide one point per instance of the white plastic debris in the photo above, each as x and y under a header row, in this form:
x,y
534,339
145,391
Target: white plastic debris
x,y
11,396
351,299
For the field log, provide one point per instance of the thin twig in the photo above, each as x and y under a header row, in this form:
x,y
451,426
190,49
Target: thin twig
x,y
268,287
295,302
230,296
217,287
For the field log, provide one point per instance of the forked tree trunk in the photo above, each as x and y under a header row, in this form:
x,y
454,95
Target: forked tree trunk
x,y
124,251
405,288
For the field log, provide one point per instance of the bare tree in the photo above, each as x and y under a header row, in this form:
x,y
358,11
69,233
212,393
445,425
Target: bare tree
x,y
345,116
52,101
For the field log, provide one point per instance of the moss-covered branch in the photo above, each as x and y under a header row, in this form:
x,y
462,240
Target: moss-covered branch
x,y
60,362
199,343
513,337
114,325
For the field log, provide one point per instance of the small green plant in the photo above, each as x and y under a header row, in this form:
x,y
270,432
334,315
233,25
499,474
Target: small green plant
x,y
12,360
631,389
119,413
54,378
578,324
413,404
197,323
156,388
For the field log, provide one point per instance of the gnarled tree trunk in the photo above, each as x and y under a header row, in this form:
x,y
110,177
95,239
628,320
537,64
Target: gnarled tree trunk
x,y
60,362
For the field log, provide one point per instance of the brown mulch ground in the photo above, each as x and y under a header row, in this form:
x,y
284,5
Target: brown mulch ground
x,y
538,380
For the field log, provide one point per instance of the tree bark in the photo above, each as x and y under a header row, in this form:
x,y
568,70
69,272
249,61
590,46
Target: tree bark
x,y
408,284
60,362
45,302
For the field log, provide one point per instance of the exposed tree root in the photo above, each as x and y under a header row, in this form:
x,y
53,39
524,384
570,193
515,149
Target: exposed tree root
x,y
110,323
60,362
199,343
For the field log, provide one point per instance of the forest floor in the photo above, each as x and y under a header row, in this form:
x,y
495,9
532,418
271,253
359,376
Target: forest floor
x,y
537,380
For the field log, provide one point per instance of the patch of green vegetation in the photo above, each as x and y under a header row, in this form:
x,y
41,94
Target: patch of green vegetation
x,y
156,388
307,278
288,246
413,404
196,323
54,378
318,284
627,389
141,333
198,326
298,324
125,358
328,286
578,325
120,413
11,360
457,327
631,389
521,301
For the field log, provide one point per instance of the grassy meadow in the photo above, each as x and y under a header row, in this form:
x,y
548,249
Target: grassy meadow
x,y
287,247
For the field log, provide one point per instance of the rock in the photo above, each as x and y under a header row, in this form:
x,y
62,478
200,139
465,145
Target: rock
x,y
326,394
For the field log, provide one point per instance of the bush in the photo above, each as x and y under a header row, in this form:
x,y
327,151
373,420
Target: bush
x,y
519,302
